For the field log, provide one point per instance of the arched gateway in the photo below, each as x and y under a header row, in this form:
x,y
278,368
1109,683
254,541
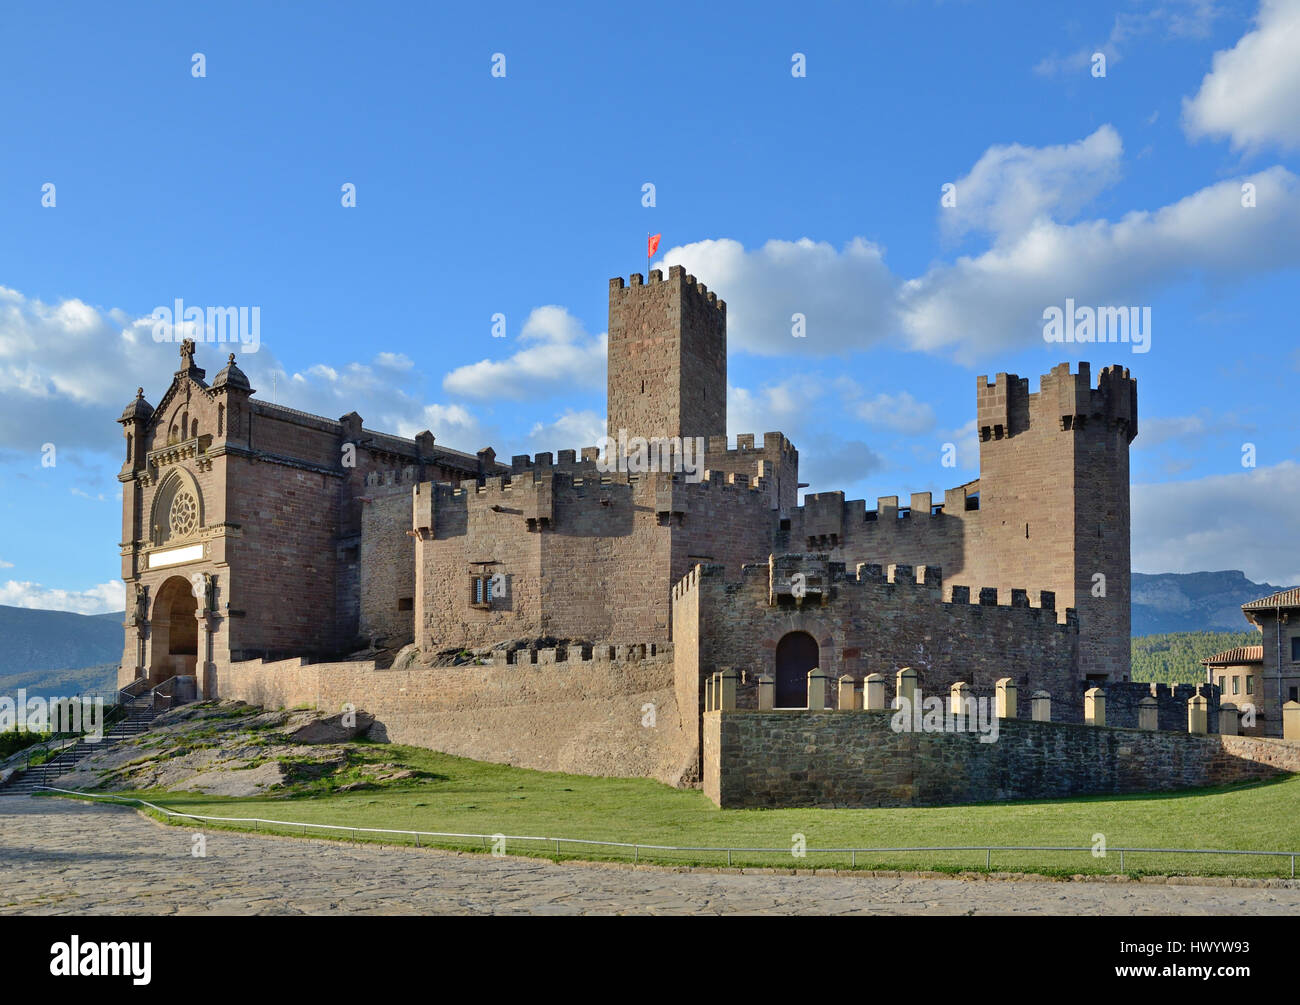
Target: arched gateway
x,y
174,630
796,654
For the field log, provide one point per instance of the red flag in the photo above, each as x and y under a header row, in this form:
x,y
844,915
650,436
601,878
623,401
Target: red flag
x,y
652,246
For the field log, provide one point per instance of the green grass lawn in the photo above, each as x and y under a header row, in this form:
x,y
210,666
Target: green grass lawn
x,y
464,796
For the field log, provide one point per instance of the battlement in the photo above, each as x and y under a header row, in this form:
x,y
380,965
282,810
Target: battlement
x,y
532,493
701,570
1064,401
599,652
677,276
775,445
828,519
812,579
583,476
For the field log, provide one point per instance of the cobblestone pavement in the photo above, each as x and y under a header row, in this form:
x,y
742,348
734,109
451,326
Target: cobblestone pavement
x,y
63,857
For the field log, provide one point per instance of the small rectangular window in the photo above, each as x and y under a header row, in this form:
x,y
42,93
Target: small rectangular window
x,y
1295,649
1250,684
478,590
405,604
1236,685
1222,681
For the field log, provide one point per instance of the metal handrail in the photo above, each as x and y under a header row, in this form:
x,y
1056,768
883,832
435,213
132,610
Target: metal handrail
x,y
637,847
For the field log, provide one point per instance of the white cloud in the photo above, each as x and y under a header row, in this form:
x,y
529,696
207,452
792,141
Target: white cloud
x,y
1012,187
1250,93
68,369
99,599
790,406
846,296
1190,431
561,357
452,425
995,300
571,431
394,361
5,565
1170,19
1221,522
900,412
58,367
967,442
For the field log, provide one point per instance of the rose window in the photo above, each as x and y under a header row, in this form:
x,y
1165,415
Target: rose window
x,y
184,516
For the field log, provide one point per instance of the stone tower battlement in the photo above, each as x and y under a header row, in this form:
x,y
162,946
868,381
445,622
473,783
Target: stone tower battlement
x,y
667,372
1065,401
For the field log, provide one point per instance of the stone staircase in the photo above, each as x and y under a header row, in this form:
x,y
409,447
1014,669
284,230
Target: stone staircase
x,y
140,712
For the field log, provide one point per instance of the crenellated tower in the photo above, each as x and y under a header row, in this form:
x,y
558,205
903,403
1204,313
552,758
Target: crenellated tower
x,y
667,357
1054,499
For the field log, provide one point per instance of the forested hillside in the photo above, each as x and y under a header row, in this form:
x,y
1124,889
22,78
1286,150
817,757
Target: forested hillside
x,y
1175,657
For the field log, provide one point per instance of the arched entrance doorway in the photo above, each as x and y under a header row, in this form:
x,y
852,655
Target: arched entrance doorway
x,y
174,631
796,654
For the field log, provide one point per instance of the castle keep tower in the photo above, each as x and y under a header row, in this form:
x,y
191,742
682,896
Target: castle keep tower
x,y
667,357
1054,496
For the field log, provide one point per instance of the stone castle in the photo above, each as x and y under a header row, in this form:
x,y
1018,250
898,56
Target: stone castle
x,y
554,613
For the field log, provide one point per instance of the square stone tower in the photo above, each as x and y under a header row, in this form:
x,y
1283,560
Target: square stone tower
x,y
1054,500
667,357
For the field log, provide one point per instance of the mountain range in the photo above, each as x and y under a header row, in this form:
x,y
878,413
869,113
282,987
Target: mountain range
x,y
1194,601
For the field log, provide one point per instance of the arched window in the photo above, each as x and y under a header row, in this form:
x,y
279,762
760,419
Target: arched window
x,y
194,429
177,509
130,444
221,420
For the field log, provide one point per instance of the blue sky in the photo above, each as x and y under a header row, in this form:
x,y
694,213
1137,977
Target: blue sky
x,y
522,195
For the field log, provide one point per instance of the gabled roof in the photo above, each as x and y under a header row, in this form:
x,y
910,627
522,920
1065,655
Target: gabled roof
x,y
1287,598
1232,657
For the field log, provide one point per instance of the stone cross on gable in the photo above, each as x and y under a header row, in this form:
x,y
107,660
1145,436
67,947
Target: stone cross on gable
x,y
187,353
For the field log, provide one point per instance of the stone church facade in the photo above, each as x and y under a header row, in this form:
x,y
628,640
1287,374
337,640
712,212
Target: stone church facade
x,y
262,545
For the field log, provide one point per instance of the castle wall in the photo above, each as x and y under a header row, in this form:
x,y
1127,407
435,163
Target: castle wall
x,y
1124,698
584,555
612,714
856,759
883,620
282,561
385,564
776,461
1051,507
909,533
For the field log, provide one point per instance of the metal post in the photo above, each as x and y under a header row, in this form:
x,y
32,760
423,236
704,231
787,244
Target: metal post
x,y
988,859
728,858
853,858
1121,860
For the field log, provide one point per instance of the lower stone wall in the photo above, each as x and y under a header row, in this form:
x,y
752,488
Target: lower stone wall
x,y
1123,700
802,758
612,717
